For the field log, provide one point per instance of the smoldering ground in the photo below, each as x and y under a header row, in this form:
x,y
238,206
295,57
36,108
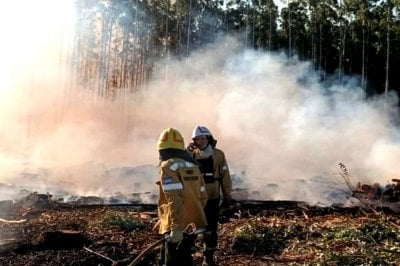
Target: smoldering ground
x,y
283,131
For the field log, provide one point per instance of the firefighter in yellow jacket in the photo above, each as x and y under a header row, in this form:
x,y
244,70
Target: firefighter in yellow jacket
x,y
182,198
218,182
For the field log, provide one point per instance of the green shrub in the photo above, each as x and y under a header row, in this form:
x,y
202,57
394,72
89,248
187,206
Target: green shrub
x,y
378,231
127,224
257,239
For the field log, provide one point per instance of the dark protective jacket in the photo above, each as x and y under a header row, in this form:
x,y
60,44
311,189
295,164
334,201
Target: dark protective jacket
x,y
216,174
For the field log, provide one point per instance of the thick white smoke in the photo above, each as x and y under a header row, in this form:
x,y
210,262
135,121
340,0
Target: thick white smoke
x,y
278,123
283,131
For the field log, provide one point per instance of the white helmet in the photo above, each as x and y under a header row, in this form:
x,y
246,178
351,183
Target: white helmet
x,y
201,131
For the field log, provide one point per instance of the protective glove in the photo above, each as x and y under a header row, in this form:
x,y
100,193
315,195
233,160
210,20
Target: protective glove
x,y
176,236
191,147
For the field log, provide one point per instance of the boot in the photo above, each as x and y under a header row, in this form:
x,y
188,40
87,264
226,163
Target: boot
x,y
208,259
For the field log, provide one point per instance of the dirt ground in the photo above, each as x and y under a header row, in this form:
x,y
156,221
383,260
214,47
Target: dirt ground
x,y
251,233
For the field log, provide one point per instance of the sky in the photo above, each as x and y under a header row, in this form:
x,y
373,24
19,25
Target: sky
x,y
277,124
280,3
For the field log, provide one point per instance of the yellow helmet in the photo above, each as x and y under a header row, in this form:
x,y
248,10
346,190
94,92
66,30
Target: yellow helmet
x,y
170,139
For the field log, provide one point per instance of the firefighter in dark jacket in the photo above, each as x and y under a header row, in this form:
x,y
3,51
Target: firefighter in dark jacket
x,y
182,198
218,182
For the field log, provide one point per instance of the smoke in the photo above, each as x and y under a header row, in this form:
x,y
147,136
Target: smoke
x,y
278,124
282,130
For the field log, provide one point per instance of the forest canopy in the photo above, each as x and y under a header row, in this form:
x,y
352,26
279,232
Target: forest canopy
x,y
117,42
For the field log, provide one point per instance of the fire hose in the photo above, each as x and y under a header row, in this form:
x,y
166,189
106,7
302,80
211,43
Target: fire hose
x,y
189,230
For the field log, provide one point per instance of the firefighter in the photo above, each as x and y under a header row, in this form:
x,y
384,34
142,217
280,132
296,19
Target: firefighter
x,y
218,182
182,198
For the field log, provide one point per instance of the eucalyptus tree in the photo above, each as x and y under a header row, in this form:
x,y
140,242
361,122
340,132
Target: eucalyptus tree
x,y
182,10
316,19
96,21
237,18
395,47
294,20
379,43
342,39
324,30
107,48
362,19
286,32
388,6
124,55
120,73
265,23
197,23
207,22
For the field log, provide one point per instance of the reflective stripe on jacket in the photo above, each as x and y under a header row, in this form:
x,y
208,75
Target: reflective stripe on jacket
x,y
182,195
221,174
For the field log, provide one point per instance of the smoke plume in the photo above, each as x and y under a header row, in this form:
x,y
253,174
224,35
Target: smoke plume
x,y
283,131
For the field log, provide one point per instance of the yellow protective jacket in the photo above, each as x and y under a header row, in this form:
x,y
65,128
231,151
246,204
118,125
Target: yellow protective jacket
x,y
182,195
221,181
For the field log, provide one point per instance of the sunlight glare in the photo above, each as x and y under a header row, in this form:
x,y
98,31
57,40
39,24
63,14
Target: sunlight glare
x,y
33,33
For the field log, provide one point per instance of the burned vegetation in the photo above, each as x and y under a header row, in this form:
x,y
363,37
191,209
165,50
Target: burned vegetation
x,y
39,231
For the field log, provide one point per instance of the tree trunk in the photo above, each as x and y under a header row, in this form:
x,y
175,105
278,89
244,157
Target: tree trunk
x,y
188,28
387,50
363,57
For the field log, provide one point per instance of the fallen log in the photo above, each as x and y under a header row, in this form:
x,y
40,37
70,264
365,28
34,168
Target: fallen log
x,y
8,245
